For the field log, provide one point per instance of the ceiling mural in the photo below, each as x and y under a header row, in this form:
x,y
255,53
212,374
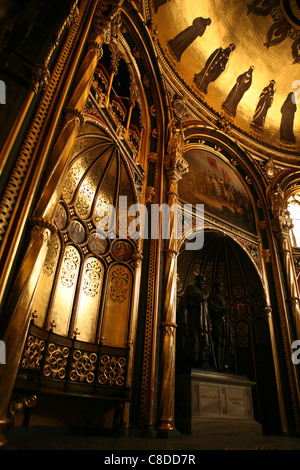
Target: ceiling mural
x,y
212,182
241,58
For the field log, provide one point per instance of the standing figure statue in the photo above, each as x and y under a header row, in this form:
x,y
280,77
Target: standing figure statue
x,y
243,83
264,103
183,40
213,68
220,334
199,325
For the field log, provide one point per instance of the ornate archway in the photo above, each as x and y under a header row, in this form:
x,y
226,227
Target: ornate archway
x,y
82,337
224,259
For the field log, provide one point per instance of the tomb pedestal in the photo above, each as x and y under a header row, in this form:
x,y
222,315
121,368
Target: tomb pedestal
x,y
206,401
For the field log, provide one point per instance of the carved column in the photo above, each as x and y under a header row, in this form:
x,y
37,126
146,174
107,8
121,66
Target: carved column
x,y
281,227
288,293
57,166
115,54
176,167
138,258
282,224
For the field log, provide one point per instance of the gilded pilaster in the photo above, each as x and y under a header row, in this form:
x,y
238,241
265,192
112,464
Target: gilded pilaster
x,y
175,167
138,258
282,224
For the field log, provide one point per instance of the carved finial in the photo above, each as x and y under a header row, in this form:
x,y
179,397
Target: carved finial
x,y
76,333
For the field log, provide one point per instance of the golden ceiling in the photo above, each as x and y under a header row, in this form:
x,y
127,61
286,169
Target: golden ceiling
x,y
266,43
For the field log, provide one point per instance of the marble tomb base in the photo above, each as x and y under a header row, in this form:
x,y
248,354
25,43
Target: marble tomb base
x,y
206,401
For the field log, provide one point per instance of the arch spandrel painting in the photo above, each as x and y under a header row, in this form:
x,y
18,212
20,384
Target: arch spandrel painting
x,y
212,182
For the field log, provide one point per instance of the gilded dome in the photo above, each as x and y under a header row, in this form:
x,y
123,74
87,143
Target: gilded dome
x,y
241,59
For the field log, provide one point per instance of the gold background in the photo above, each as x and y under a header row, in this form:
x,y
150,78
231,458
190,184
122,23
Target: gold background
x,y
230,24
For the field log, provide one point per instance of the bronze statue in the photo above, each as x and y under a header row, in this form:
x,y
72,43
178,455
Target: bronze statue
x,y
198,322
219,322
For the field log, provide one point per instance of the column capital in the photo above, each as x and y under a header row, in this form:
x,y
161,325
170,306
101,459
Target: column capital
x,y
40,77
282,224
44,223
73,113
168,328
176,166
137,257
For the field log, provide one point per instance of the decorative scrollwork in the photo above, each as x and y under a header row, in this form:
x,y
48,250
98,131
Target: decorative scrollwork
x,y
85,199
70,263
56,361
260,329
119,285
242,330
92,277
53,248
19,402
112,370
33,353
83,366
73,178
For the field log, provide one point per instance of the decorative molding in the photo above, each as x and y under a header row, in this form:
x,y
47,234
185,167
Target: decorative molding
x,y
112,370
19,402
266,254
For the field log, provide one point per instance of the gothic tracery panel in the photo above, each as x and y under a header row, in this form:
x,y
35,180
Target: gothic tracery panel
x,y
79,272
116,313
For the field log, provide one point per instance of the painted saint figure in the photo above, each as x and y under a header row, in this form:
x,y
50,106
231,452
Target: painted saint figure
x,y
183,40
261,7
288,110
277,33
243,83
159,3
264,103
296,51
77,232
213,68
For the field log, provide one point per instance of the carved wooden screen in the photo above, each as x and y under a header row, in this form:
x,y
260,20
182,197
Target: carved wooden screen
x,y
86,283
